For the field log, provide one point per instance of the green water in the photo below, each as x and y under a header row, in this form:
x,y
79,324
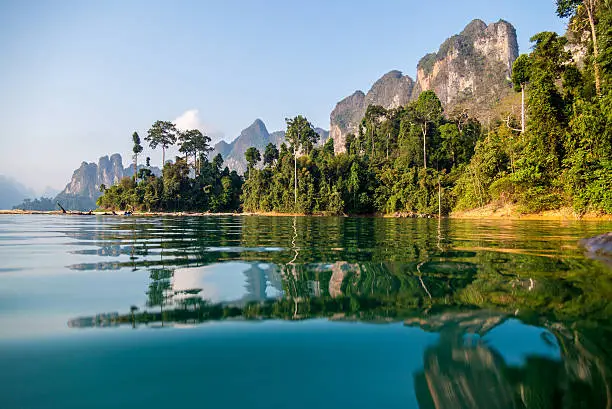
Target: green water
x,y
256,312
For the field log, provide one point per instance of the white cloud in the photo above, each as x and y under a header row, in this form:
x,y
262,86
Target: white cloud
x,y
190,119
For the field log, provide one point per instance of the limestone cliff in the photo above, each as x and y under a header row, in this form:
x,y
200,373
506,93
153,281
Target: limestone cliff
x,y
471,69
110,171
83,189
390,91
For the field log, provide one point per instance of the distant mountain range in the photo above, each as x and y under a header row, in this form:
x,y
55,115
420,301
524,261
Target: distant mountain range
x,y
256,135
13,192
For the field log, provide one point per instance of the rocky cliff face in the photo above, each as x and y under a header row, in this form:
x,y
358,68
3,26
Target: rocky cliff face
x,y
233,153
390,91
84,181
471,69
83,189
256,135
110,171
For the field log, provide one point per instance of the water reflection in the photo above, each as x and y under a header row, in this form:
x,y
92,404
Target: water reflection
x,y
475,285
465,369
391,265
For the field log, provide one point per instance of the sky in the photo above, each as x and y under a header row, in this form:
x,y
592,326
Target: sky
x,y
77,78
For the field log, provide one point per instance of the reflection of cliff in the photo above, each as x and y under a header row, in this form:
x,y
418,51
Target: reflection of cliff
x,y
456,376
465,370
460,371
261,283
339,272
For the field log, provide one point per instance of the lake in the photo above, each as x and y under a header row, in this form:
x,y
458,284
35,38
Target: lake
x,y
301,312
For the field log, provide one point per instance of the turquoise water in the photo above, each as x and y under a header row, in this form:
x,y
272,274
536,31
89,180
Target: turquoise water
x,y
219,312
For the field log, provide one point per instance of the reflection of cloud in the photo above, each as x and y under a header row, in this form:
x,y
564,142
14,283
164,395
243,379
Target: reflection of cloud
x,y
190,119
229,282
224,282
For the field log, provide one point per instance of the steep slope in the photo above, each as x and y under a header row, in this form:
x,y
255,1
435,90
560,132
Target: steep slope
x,y
390,91
255,135
83,189
471,69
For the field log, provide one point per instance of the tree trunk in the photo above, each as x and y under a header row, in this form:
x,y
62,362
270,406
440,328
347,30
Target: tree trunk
x,y
295,172
388,136
163,157
439,199
372,124
135,167
522,108
424,129
590,6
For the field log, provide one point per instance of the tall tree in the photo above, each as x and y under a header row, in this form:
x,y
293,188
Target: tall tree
x,y
373,115
196,143
428,110
270,154
185,141
252,157
299,132
137,149
520,77
164,134
576,9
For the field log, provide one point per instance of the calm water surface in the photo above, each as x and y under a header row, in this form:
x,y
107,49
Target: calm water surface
x,y
255,312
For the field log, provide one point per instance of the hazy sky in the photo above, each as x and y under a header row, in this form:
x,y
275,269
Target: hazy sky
x,y
78,77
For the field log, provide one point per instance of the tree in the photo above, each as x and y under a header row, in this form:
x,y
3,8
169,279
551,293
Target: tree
x,y
547,110
575,10
372,116
148,162
186,147
217,164
299,134
252,156
428,110
450,140
137,149
270,155
162,133
194,142
520,77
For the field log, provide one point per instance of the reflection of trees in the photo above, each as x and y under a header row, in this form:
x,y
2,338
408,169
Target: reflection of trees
x,y
159,289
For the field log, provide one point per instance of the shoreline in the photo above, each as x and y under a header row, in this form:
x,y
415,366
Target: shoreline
x,y
489,212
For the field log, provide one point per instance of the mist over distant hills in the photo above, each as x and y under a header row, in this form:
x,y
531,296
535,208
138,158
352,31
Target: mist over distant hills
x,y
12,192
